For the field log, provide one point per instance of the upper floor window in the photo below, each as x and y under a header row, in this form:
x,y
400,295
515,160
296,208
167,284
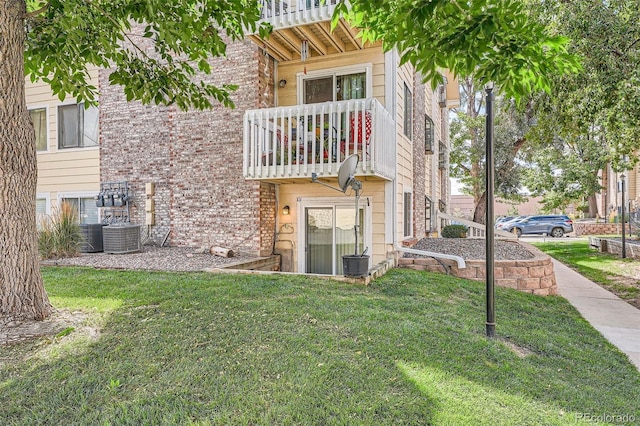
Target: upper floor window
x,y
408,111
39,118
336,84
77,126
428,135
442,155
335,88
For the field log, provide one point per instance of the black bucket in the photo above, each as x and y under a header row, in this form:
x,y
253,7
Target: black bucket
x,y
354,265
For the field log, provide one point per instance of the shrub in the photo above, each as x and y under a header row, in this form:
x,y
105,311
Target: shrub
x,y
454,231
59,235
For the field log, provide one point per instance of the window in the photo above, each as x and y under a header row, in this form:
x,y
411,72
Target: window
x,y
408,228
442,156
77,126
428,135
41,210
428,208
408,111
336,87
39,118
86,208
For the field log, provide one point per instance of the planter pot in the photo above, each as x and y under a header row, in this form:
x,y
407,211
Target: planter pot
x,y
355,266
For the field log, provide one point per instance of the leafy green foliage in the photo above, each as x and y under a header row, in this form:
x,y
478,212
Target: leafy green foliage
x,y
454,231
590,119
468,145
155,48
495,41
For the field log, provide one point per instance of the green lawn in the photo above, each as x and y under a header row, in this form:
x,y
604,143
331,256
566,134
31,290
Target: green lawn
x,y
620,276
246,349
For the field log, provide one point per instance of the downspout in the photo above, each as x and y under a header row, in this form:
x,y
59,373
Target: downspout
x,y
459,260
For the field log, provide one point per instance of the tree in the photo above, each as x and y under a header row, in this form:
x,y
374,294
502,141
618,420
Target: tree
x,y
468,146
59,39
56,41
492,40
590,119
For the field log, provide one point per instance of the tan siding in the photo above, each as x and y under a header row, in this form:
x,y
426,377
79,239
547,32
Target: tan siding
x,y
290,193
289,70
74,170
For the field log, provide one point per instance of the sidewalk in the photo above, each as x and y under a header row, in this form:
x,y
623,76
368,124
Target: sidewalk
x,y
614,318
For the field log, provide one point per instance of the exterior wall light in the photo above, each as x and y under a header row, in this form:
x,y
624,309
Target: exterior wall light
x,y
285,210
282,83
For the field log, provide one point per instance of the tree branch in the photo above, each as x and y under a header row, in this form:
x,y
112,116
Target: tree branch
x,y
35,13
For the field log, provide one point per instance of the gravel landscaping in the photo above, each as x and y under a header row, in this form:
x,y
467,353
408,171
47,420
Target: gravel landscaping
x,y
185,259
473,249
153,258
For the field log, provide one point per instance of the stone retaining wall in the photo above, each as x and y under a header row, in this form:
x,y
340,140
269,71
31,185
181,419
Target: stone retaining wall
x,y
590,228
534,275
632,249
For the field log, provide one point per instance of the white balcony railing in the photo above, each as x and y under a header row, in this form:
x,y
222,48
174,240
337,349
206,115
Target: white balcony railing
x,y
289,13
296,141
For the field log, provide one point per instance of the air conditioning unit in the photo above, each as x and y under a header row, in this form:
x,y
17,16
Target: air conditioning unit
x,y
121,238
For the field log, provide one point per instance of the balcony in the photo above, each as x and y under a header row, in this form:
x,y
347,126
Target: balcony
x,y
293,142
295,21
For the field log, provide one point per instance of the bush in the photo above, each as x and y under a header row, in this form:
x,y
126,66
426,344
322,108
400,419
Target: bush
x,y
454,231
59,235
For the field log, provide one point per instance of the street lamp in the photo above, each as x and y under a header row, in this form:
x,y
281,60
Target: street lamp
x,y
624,245
489,233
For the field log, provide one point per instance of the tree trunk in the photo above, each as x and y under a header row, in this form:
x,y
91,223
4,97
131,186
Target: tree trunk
x,y
480,212
593,206
22,294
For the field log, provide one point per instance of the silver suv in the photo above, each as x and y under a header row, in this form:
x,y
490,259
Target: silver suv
x,y
554,225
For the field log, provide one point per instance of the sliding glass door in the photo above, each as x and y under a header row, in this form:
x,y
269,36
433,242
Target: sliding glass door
x,y
329,233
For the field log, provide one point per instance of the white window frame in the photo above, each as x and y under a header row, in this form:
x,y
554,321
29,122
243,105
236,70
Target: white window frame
x,y
48,122
352,69
80,194
408,224
81,148
332,202
46,196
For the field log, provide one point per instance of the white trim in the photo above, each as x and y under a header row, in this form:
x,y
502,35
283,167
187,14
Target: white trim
x,y
57,120
48,122
46,196
332,202
367,68
79,194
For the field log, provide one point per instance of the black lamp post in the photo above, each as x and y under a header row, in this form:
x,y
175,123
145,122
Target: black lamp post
x,y
624,242
489,235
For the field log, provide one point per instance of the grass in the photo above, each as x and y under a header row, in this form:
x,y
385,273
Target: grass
x,y
244,349
620,276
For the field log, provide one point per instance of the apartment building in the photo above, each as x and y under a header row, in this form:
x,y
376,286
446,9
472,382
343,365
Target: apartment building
x,y
258,178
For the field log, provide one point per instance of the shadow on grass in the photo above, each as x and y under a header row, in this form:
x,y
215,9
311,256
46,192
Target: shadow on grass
x,y
228,349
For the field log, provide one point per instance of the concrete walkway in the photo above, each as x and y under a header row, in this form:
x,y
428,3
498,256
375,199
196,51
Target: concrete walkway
x,y
614,318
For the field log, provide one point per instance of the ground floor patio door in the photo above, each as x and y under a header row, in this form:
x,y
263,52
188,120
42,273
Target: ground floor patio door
x,y
329,234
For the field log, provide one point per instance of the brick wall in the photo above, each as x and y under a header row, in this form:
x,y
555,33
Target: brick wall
x,y
194,158
419,157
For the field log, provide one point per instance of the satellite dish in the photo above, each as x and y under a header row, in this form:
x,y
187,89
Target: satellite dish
x,y
346,171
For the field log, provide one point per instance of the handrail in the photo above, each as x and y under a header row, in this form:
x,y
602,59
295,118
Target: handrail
x,y
477,230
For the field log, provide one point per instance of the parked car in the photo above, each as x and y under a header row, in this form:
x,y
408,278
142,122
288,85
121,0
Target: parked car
x,y
554,225
503,219
504,224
